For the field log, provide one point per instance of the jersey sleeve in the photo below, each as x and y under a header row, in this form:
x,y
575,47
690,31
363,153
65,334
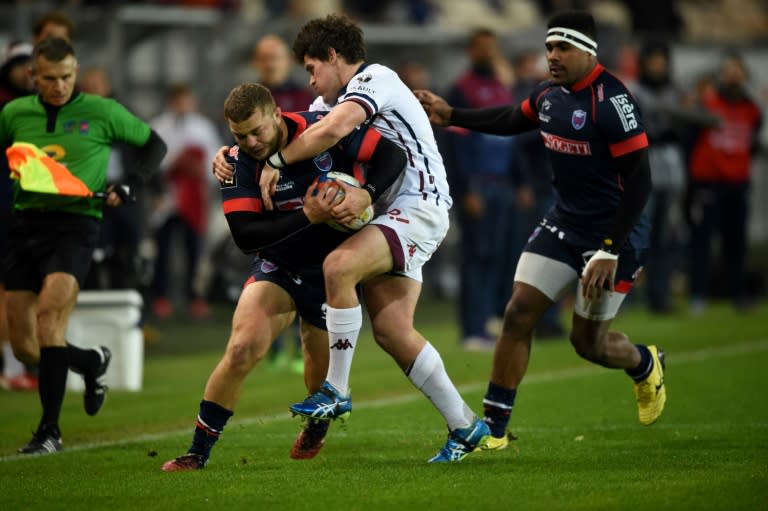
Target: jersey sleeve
x,y
359,145
618,118
125,126
241,193
530,105
372,89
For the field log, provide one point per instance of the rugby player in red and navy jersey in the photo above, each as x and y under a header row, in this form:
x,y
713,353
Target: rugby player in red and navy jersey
x,y
290,242
595,233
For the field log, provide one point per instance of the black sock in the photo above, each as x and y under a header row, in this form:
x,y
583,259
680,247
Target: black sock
x,y
52,383
498,403
209,425
82,361
645,367
317,427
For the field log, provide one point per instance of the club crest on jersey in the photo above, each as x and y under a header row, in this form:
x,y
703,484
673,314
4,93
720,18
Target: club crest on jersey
x,y
323,161
365,77
268,267
578,119
234,151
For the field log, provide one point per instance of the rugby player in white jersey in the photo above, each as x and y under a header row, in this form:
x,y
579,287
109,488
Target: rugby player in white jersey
x,y
388,254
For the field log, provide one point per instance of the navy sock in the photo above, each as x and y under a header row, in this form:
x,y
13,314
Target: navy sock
x,y
52,382
209,425
498,403
645,367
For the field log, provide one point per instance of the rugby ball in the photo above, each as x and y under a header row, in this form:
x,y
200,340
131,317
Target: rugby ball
x,y
362,220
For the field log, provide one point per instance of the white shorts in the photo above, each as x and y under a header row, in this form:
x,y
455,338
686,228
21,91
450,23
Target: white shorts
x,y
414,228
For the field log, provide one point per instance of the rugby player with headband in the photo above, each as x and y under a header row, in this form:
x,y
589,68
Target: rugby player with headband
x,y
595,233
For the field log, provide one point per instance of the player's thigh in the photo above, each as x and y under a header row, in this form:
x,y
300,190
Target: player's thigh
x,y
263,311
606,307
363,255
548,263
549,276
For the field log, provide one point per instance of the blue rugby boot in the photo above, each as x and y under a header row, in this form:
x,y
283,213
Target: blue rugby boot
x,y
325,404
462,441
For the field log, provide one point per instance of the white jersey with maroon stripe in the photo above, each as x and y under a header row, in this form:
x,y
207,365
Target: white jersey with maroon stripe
x,y
396,113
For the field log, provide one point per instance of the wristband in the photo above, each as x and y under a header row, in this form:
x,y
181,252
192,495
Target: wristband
x,y
368,187
602,254
276,161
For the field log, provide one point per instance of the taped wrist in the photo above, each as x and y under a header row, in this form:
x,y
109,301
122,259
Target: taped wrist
x,y
276,161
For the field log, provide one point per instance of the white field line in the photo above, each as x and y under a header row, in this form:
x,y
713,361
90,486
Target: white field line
x,y
676,359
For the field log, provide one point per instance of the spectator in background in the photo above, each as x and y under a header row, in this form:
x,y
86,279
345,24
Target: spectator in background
x,y
15,82
53,24
182,203
116,262
666,118
481,183
720,171
535,194
273,62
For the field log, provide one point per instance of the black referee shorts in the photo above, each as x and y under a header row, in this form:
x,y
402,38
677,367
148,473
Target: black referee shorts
x,y
45,242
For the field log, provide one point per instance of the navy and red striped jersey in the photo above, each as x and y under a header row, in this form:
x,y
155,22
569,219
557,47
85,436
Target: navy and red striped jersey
x,y
585,128
294,249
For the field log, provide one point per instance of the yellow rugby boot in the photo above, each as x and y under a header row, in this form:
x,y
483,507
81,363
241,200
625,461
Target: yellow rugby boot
x,y
651,394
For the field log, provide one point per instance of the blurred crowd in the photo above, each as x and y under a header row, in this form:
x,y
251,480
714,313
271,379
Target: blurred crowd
x,y
704,20
173,243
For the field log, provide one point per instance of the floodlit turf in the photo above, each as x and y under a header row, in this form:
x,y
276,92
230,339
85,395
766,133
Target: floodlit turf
x,y
580,443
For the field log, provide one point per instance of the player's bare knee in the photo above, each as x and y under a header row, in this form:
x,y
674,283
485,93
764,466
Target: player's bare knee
x,y
518,318
243,356
26,353
339,266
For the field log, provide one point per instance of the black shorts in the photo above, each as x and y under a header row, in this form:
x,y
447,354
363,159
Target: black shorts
x,y
5,220
307,289
549,241
45,242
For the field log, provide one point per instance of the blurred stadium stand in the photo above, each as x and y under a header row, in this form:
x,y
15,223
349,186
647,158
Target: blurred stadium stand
x,y
148,45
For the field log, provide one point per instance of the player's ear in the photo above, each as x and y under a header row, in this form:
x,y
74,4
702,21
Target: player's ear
x,y
278,113
332,56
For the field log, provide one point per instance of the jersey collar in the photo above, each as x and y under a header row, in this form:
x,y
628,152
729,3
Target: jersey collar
x,y
587,80
343,90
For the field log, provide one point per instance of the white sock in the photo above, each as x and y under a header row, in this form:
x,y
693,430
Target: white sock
x,y
343,328
11,365
428,374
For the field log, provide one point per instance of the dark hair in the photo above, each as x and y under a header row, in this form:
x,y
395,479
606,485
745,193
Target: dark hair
x,y
480,33
53,49
55,18
336,31
576,20
178,90
244,99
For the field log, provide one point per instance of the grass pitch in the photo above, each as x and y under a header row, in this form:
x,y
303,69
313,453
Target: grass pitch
x,y
580,443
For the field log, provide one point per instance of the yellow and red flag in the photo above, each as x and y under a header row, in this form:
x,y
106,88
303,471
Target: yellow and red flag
x,y
38,172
